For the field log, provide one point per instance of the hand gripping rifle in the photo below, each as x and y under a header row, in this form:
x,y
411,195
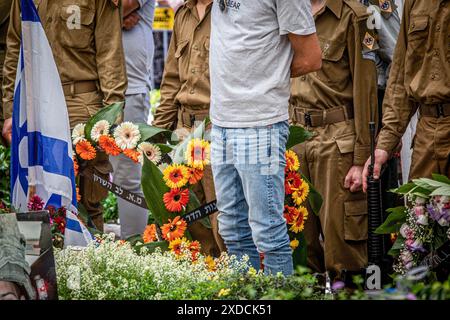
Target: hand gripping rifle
x,y
375,242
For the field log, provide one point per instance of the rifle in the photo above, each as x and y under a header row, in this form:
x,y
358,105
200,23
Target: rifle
x,y
375,242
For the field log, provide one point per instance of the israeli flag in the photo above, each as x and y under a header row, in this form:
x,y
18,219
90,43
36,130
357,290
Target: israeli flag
x,y
41,152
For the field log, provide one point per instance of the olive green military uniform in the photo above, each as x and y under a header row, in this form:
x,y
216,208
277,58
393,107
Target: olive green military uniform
x,y
420,80
185,88
335,104
5,8
13,266
90,61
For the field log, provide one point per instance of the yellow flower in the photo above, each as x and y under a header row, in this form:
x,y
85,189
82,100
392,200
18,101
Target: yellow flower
x,y
294,244
177,245
301,193
252,272
210,263
292,162
198,153
224,292
299,221
176,176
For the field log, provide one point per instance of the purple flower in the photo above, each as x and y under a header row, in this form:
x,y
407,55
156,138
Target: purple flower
x,y
411,296
338,285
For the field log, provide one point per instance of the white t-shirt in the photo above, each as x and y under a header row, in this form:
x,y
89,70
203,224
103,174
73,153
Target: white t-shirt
x,y
250,59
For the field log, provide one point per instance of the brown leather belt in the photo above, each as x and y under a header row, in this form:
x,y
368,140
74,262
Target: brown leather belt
x,y
192,114
78,87
435,110
316,118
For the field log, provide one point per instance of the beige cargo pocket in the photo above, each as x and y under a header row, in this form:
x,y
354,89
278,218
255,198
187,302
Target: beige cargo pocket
x,y
355,220
346,143
77,31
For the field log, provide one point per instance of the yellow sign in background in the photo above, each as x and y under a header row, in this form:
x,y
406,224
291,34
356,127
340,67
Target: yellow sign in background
x,y
164,19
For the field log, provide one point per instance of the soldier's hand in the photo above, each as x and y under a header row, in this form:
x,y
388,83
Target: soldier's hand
x,y
353,180
7,130
131,20
381,157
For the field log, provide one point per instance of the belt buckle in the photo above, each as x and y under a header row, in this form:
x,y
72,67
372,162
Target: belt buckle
x,y
440,110
308,121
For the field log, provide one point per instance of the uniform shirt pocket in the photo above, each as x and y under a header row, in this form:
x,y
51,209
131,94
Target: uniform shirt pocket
x,y
334,65
77,27
346,143
355,220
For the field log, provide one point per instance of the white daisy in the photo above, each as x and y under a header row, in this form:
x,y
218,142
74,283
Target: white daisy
x,y
99,129
78,133
127,135
151,151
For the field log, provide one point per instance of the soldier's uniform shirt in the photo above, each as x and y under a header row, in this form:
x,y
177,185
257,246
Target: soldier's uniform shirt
x,y
346,85
420,79
90,61
185,90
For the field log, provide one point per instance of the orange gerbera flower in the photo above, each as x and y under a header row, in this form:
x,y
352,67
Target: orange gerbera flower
x,y
176,176
149,234
210,263
133,154
194,248
174,229
195,175
293,181
108,144
299,222
176,199
78,194
76,167
292,162
85,150
301,193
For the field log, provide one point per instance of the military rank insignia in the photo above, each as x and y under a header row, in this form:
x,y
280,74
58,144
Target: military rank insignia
x,y
387,7
369,42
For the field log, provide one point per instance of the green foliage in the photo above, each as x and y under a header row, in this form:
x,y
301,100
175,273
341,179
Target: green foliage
x,y
432,291
5,158
297,135
397,216
110,209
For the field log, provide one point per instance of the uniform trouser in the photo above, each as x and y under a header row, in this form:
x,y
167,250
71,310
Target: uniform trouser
x,y
127,174
431,148
81,108
342,221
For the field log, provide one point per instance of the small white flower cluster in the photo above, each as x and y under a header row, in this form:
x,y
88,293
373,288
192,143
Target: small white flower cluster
x,y
113,270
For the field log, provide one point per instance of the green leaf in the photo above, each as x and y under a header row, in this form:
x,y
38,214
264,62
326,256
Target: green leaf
x,y
442,191
110,113
441,178
135,239
434,183
165,148
154,189
299,256
393,222
397,246
314,198
147,132
404,189
297,135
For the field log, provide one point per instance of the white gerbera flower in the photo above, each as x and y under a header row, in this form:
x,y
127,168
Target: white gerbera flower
x,y
127,135
78,133
151,151
99,129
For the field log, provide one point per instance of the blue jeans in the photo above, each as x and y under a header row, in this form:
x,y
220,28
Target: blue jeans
x,y
248,168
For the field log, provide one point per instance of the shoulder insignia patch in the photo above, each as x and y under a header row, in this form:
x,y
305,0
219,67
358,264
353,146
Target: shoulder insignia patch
x,y
387,7
369,42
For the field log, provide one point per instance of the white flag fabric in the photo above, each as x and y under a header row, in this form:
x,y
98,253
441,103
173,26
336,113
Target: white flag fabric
x,y
41,151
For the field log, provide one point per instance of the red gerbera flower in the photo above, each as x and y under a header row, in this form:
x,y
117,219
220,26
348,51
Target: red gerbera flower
x,y
176,199
292,181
